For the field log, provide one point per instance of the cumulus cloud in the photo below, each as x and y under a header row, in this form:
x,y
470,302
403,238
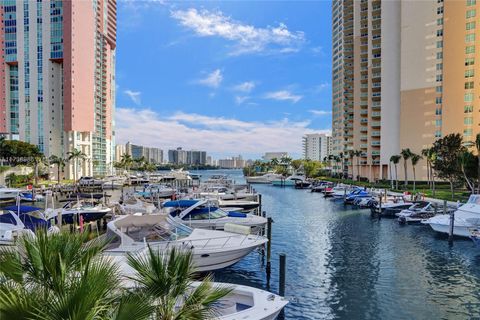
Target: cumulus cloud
x,y
135,96
215,134
246,86
283,95
320,112
245,38
212,80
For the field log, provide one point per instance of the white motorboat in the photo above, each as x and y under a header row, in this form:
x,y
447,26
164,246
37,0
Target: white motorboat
x,y
267,178
212,249
337,192
417,212
114,182
224,193
157,190
291,181
246,205
87,209
466,218
90,182
8,193
134,205
243,302
206,215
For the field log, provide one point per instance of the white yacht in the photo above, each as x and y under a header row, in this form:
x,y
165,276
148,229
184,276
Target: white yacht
x,y
243,302
267,178
114,182
212,250
205,214
467,218
8,193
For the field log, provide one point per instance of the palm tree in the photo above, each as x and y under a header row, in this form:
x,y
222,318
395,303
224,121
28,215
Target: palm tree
x,y
425,153
285,160
164,280
59,162
57,276
357,154
127,161
406,154
414,158
37,158
274,162
395,159
76,155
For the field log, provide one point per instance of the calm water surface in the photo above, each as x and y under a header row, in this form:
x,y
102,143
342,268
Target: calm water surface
x,y
342,264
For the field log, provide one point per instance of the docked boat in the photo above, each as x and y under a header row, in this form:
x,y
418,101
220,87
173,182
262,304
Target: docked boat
x,y
356,194
8,193
290,181
391,206
224,193
466,218
211,249
267,178
245,205
17,220
87,209
89,182
337,192
204,214
114,182
321,187
28,196
157,190
417,212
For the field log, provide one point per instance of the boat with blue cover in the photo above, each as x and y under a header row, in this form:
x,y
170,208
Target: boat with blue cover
x,y
16,220
207,215
87,209
356,194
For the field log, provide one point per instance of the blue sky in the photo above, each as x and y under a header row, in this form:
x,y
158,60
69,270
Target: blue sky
x,y
229,77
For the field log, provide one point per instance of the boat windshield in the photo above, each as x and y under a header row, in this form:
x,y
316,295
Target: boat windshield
x,y
474,199
202,215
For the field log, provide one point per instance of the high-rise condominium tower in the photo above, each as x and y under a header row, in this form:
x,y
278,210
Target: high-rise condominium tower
x,y
404,74
57,70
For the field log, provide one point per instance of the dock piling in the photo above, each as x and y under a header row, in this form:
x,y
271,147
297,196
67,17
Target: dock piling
x,y
452,222
281,280
269,248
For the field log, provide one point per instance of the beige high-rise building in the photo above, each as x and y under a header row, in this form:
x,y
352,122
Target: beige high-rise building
x,y
404,74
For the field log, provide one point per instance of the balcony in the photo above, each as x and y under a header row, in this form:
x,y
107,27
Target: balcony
x,y
375,143
375,153
365,129
364,146
364,121
376,114
376,134
364,112
363,137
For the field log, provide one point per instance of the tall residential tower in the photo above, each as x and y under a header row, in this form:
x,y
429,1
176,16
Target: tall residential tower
x,y
58,77
404,74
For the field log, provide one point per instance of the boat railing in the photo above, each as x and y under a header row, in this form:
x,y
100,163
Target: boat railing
x,y
202,244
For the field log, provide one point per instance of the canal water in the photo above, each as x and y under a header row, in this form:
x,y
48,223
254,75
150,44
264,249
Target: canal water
x,y
342,264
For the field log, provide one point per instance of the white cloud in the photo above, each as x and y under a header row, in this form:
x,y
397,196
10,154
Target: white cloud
x,y
246,86
246,38
213,134
134,95
241,99
283,95
212,80
320,112
322,86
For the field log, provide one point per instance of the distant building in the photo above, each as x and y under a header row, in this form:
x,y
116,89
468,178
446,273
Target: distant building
x,y
209,161
232,163
268,156
119,151
316,146
192,157
153,155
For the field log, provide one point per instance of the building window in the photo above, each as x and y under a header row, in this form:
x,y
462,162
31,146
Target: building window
x,y
468,109
439,10
439,66
470,37
471,13
438,122
469,85
469,73
470,25
467,132
439,55
439,89
469,61
439,44
438,134
468,97
471,3
439,78
470,49
439,21
440,33
438,111
468,120
438,100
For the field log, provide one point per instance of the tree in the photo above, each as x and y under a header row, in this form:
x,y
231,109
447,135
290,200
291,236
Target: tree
x,y
395,159
414,158
127,161
37,158
60,163
406,154
286,160
17,152
296,164
469,168
165,279
358,154
274,162
448,150
76,155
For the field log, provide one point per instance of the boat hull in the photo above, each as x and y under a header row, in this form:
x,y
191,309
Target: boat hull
x,y
460,231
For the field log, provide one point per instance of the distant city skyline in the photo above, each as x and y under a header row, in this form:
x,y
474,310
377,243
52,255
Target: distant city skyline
x,y
221,77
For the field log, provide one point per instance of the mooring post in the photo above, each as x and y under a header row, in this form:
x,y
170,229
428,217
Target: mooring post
x,y
269,248
259,210
452,222
281,280
435,208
